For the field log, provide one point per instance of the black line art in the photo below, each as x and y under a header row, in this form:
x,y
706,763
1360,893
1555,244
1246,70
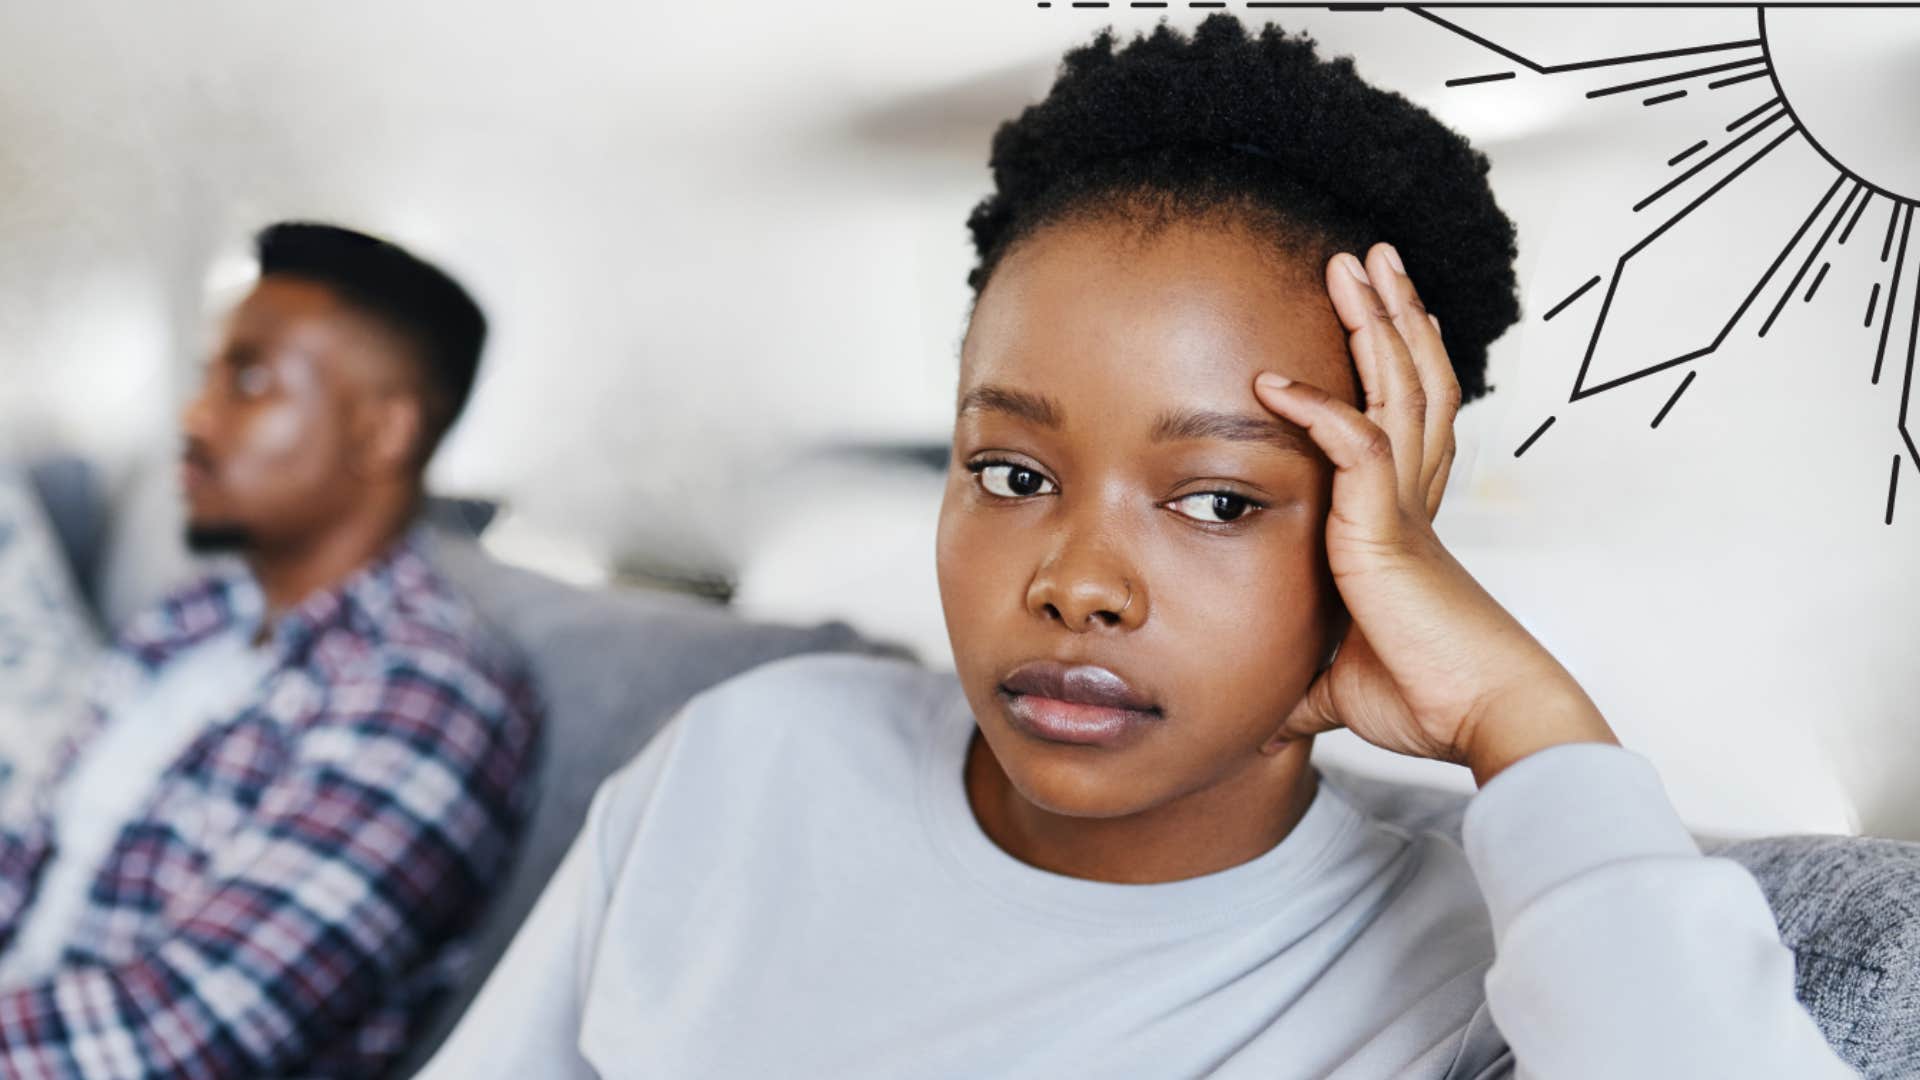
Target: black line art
x,y
1664,409
1731,70
1537,432
1766,126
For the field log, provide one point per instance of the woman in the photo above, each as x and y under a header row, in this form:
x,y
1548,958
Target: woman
x,y
1171,550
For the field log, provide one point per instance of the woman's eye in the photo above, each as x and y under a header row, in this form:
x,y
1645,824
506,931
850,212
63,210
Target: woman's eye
x,y
1214,506
1012,481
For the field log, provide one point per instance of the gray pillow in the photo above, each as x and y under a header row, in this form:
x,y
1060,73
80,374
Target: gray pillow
x,y
1849,907
69,492
1846,906
612,666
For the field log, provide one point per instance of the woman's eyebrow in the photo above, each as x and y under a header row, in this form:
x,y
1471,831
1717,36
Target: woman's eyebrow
x,y
1034,408
1235,427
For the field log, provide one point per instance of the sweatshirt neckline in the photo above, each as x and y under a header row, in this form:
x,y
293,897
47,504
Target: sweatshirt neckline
x,y
1260,886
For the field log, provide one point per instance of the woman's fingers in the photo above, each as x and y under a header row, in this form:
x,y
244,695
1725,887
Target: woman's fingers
x,y
1315,712
1366,489
1420,330
1438,490
1396,399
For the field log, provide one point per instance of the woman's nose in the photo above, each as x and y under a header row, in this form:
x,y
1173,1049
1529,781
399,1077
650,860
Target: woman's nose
x,y
1085,595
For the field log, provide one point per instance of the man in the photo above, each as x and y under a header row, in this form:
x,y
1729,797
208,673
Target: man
x,y
300,781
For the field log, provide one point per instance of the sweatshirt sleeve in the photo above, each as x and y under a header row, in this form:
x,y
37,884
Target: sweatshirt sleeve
x,y
526,1019
1620,949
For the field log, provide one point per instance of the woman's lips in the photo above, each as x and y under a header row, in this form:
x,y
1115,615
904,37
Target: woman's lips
x,y
1083,703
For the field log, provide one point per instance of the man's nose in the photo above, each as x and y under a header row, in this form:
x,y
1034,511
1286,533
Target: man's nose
x,y
196,416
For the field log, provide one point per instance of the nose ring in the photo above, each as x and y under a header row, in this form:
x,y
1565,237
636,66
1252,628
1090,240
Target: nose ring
x,y
1129,603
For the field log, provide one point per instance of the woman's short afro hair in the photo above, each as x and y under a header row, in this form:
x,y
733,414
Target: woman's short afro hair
x,y
1262,131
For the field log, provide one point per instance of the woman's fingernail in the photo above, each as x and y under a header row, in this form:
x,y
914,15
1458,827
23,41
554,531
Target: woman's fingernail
x,y
1435,320
1273,382
1357,269
1393,256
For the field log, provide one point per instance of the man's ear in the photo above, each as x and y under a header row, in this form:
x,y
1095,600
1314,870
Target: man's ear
x,y
388,428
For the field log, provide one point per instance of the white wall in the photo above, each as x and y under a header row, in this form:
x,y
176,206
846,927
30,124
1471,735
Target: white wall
x,y
710,235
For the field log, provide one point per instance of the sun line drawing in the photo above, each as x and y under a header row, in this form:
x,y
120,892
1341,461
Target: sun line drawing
x,y
1752,136
1723,70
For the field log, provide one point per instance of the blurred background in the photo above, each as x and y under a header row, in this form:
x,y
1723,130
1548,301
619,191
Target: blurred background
x,y
723,249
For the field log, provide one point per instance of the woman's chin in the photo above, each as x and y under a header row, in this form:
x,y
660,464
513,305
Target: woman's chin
x,y
1081,789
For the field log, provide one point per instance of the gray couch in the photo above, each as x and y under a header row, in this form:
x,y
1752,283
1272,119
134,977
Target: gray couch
x,y
615,664
1848,907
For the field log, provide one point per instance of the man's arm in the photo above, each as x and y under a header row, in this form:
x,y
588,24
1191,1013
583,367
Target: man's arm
x,y
526,1021
394,817
1621,950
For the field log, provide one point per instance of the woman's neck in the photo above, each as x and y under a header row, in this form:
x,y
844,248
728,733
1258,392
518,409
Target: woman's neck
x,y
1204,831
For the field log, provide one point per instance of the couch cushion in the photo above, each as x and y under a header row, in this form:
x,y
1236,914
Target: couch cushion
x,y
69,492
612,666
1849,907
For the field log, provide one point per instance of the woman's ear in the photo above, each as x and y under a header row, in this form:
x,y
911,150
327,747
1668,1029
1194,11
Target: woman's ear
x,y
1336,634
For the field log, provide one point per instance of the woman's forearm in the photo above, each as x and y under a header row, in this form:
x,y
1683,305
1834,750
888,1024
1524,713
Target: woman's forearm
x,y
1621,950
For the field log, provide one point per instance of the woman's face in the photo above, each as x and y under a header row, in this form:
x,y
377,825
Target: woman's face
x,y
1131,549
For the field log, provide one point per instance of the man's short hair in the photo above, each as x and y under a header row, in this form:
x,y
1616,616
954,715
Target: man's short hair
x,y
410,295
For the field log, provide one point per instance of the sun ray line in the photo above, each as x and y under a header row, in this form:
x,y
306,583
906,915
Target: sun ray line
x,y
1893,485
1706,161
1580,390
1787,293
1593,340
1778,260
1477,39
1873,301
1651,369
1817,279
1581,65
1577,294
1676,77
1893,290
1687,153
1763,108
1537,432
1906,383
1887,244
1855,219
1473,80
1738,79
1681,389
1667,54
1665,97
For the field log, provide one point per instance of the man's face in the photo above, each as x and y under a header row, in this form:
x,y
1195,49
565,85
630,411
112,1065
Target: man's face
x,y
275,443
1119,499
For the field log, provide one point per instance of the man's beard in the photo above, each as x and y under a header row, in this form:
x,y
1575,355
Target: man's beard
x,y
218,539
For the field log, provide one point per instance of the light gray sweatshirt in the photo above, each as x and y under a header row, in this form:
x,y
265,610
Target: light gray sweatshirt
x,y
790,882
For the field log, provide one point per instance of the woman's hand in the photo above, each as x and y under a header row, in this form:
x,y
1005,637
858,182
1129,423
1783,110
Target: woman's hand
x,y
1431,665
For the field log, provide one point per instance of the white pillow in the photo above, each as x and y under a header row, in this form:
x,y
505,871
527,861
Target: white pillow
x,y
47,644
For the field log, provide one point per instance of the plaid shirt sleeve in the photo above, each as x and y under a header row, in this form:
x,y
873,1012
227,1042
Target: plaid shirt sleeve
x,y
364,853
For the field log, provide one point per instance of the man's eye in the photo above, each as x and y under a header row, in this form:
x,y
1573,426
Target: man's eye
x,y
251,382
1214,506
1011,481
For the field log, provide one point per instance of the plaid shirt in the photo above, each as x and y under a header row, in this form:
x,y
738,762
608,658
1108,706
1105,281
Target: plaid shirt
x,y
296,889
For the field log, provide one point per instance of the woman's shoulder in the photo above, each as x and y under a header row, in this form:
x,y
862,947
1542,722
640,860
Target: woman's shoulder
x,y
806,721
836,680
